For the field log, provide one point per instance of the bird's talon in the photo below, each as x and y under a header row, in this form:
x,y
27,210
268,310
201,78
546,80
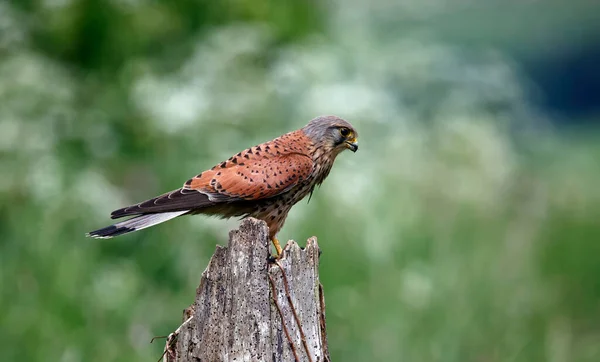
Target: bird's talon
x,y
277,247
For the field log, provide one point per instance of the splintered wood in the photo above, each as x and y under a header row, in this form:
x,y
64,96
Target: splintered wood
x,y
248,308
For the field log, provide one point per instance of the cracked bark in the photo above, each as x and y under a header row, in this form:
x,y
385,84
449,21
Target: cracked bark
x,y
243,299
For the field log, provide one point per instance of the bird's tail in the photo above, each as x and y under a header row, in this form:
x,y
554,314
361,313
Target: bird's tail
x,y
136,223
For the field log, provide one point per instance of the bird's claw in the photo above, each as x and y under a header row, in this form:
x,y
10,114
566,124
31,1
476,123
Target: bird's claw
x,y
278,249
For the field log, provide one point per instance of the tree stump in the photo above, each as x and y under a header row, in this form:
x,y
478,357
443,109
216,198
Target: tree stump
x,y
251,308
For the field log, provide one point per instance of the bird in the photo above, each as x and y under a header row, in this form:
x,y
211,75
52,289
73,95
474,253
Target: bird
x,y
263,181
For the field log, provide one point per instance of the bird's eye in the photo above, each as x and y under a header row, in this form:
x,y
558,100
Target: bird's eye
x,y
344,132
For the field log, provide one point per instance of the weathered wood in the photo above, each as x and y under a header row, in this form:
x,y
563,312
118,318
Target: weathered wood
x,y
243,299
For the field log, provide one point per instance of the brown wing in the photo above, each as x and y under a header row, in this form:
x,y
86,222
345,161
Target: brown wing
x,y
260,172
252,179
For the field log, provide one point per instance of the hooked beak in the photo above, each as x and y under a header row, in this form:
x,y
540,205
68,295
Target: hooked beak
x,y
352,145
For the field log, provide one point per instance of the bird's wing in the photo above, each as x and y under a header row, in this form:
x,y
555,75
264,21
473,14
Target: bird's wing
x,y
182,199
253,174
252,179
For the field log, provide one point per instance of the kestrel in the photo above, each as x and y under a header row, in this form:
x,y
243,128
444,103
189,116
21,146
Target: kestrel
x,y
263,181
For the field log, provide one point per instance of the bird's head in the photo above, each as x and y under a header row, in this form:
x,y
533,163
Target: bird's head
x,y
332,134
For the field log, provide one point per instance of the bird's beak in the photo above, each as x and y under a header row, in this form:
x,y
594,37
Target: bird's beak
x,y
352,145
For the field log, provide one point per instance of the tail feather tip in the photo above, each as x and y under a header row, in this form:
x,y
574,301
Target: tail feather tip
x,y
136,223
109,232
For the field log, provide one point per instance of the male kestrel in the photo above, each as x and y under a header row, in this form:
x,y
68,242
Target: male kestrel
x,y
263,182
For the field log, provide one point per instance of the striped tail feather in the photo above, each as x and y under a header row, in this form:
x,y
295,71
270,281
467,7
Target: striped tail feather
x,y
136,223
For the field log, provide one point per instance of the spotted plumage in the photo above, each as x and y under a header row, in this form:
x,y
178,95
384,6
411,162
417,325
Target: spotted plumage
x,y
263,181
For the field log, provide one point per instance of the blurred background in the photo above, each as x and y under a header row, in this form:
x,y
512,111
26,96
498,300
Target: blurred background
x,y
467,227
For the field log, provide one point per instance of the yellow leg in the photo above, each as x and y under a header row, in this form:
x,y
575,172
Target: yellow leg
x,y
277,246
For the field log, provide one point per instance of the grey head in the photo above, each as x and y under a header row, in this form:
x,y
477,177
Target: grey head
x,y
332,133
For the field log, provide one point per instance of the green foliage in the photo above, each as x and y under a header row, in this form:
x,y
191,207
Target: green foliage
x,y
463,230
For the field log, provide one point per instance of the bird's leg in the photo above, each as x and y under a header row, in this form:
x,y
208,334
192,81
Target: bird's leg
x,y
277,246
